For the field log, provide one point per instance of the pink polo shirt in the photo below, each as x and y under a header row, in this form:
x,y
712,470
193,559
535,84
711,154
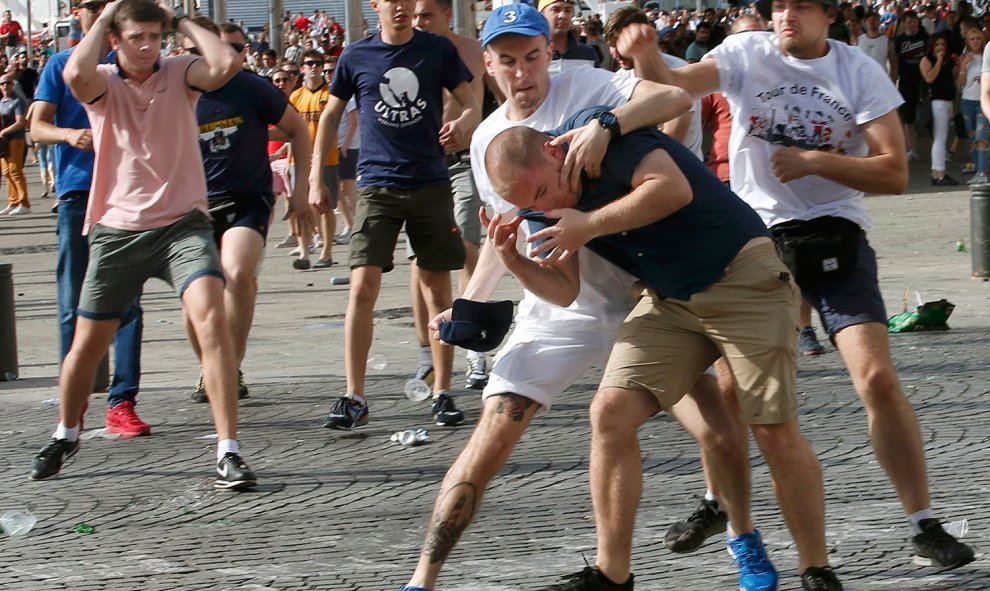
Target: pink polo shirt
x,y
148,171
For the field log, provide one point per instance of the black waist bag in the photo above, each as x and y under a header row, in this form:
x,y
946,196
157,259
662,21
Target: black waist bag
x,y
818,250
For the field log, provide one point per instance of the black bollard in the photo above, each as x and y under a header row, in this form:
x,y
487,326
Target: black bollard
x,y
8,331
979,215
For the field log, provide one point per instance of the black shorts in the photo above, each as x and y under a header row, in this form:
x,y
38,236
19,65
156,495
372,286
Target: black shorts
x,y
911,93
229,211
348,165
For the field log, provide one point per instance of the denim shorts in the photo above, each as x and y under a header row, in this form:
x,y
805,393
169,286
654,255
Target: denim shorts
x,y
121,261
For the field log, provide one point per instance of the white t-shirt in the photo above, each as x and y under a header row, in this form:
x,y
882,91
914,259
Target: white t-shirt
x,y
692,141
878,49
605,295
818,104
971,90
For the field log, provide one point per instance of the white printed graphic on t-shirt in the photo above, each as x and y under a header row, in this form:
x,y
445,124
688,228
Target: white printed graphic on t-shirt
x,y
787,123
400,105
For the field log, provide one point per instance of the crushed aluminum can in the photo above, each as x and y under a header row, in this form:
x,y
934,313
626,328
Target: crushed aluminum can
x,y
411,437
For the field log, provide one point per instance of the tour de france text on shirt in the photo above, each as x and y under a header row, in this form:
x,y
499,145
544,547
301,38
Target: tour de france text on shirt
x,y
815,93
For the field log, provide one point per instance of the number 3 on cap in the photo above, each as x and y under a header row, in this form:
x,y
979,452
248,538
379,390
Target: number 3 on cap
x,y
510,16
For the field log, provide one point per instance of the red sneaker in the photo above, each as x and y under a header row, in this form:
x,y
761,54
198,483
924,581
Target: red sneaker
x,y
122,419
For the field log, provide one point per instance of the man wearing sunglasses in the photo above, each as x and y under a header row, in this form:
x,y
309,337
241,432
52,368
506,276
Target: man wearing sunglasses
x,y
59,119
233,138
310,100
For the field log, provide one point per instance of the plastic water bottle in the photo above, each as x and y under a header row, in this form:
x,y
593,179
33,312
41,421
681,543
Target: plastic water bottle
x,y
416,389
378,362
960,245
101,432
17,523
411,437
957,529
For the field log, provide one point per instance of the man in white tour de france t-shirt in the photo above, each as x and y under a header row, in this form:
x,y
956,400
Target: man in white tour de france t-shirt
x,y
570,339
815,125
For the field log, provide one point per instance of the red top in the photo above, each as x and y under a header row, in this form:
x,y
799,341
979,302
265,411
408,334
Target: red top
x,y
301,24
715,117
15,29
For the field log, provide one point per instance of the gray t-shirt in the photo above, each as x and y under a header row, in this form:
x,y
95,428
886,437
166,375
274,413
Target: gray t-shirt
x,y
10,108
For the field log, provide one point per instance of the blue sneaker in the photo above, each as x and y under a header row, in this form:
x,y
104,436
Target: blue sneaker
x,y
409,588
347,414
756,572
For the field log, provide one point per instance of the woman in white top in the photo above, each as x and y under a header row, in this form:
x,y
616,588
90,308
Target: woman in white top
x,y
970,66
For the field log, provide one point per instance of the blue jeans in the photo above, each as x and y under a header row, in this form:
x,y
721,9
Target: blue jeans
x,y
73,257
976,125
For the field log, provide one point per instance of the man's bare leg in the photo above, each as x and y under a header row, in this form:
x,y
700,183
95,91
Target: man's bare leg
x,y
366,282
503,420
240,254
89,345
437,294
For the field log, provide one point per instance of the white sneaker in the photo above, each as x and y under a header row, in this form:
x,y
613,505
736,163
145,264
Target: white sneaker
x,y
20,210
978,179
6,210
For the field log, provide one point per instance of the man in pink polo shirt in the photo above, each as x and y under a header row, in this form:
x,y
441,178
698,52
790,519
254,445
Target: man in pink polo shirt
x,y
147,214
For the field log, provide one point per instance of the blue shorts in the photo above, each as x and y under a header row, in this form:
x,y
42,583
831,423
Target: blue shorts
x,y
851,299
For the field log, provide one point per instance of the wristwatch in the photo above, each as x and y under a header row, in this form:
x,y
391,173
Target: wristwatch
x,y
609,121
180,14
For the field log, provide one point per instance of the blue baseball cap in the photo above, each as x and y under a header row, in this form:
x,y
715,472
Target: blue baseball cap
x,y
515,19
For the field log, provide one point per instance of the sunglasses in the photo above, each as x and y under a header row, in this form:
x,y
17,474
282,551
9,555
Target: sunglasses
x,y
280,80
312,63
328,72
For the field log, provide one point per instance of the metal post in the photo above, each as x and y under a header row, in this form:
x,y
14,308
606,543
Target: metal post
x,y
979,216
275,26
8,331
189,6
30,47
353,16
464,18
220,11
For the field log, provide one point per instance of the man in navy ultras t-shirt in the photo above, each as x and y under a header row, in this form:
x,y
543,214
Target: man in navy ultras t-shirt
x,y
716,288
59,119
233,137
398,76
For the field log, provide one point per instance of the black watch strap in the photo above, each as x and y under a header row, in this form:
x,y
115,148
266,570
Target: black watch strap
x,y
179,15
610,122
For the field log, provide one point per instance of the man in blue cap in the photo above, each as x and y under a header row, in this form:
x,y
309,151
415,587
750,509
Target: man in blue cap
x,y
567,339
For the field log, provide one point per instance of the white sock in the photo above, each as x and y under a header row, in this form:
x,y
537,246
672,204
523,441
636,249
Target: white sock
x,y
709,496
226,446
356,398
63,432
915,518
425,355
474,354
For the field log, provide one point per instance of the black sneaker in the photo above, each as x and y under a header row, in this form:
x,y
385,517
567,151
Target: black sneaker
x,y
199,394
477,373
820,579
690,534
234,474
347,414
946,181
52,457
242,390
444,411
590,579
934,547
808,344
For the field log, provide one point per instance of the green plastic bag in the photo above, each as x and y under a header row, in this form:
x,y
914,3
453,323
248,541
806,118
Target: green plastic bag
x,y
926,316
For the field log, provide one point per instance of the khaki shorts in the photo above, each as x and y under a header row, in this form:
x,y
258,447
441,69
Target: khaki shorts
x,y
749,317
428,213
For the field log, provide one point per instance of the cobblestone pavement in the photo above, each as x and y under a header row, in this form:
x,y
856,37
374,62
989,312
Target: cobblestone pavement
x,y
347,511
